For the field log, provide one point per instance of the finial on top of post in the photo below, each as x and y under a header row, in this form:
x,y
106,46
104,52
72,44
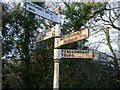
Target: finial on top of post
x,y
57,10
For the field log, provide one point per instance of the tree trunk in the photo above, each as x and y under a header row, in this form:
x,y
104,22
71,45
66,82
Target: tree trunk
x,y
26,61
116,65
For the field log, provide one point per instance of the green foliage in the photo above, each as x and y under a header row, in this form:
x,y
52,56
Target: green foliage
x,y
78,14
12,75
18,33
85,74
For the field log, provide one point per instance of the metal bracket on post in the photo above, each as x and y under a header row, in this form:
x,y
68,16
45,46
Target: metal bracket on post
x,y
57,54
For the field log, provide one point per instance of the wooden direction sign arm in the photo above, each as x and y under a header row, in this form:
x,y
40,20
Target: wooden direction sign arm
x,y
73,37
72,53
46,34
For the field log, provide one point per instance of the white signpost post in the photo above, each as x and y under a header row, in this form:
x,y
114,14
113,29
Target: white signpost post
x,y
56,32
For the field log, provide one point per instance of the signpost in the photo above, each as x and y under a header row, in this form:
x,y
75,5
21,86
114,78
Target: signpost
x,y
78,35
42,12
56,32
44,35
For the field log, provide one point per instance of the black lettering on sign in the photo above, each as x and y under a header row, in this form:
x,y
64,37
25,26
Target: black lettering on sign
x,y
36,7
31,9
51,14
47,11
41,38
39,8
33,5
29,3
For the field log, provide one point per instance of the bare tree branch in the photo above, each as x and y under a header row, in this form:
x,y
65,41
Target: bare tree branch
x,y
67,4
107,54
